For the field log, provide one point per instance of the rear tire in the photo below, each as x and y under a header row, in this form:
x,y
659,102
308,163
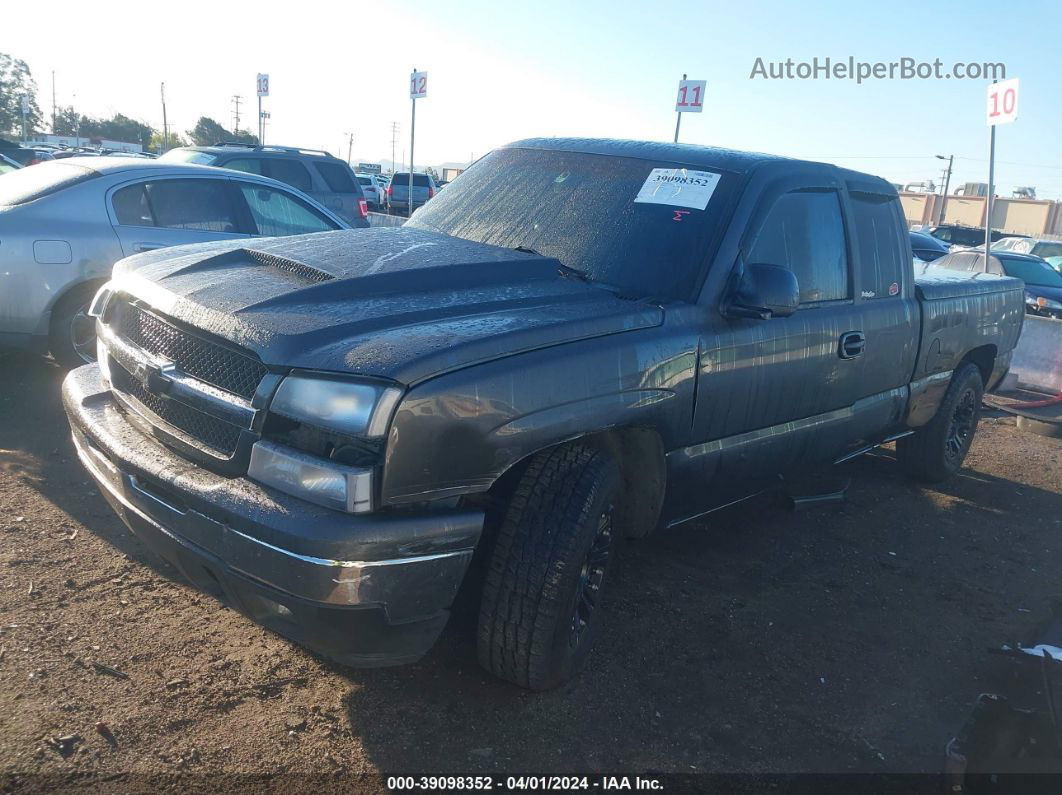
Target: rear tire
x,y
72,336
541,595
936,451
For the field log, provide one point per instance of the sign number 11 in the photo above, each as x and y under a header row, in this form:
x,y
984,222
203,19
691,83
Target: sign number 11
x,y
690,97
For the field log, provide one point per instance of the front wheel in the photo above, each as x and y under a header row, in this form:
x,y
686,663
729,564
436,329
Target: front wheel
x,y
936,451
542,594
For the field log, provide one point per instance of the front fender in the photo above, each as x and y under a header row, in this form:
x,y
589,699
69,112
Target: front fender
x,y
457,434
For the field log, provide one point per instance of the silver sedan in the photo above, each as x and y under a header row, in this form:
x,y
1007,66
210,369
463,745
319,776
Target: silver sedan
x,y
64,223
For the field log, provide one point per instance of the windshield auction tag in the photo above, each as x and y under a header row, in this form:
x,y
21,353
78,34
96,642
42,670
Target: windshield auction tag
x,y
678,187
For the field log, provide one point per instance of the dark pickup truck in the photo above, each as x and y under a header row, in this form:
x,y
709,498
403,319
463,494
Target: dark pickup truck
x,y
576,341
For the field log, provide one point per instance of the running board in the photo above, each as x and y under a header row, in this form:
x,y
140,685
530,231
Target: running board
x,y
869,447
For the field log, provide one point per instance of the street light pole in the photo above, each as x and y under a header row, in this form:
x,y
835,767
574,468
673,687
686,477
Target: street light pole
x,y
947,183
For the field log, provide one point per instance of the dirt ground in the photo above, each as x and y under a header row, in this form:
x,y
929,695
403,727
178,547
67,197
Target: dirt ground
x,y
845,638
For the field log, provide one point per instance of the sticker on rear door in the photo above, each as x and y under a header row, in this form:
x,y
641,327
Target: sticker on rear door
x,y
678,187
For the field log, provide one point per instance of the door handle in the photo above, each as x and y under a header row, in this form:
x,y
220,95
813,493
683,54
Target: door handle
x,y
853,343
147,246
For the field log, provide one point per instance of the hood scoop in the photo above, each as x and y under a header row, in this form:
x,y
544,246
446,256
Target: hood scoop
x,y
299,269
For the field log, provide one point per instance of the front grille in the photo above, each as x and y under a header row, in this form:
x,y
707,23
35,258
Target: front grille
x,y
212,362
220,436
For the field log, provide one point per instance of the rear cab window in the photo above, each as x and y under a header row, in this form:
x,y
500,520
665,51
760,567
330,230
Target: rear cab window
x,y
881,257
34,182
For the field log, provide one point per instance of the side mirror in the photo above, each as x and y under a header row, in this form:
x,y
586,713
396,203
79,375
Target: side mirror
x,y
763,292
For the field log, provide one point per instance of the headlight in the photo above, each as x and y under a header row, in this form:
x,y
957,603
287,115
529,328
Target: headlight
x,y
99,301
355,408
313,479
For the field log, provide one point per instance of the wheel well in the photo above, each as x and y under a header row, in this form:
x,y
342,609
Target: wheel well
x,y
640,455
985,359
76,291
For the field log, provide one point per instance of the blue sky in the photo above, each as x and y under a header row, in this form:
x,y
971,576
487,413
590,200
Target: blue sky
x,y
500,71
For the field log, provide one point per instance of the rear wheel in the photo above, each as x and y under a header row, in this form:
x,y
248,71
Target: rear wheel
x,y
936,450
542,594
72,337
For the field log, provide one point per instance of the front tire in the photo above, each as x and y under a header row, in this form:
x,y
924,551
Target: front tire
x,y
936,451
541,597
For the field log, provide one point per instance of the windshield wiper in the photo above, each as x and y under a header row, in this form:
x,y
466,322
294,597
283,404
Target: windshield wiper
x,y
567,272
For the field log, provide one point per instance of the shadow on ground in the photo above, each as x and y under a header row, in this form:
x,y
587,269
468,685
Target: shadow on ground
x,y
848,637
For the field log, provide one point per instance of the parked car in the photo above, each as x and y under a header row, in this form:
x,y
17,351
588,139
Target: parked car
x,y
64,224
27,156
926,247
322,431
371,189
1043,284
964,236
327,179
424,188
7,164
1050,250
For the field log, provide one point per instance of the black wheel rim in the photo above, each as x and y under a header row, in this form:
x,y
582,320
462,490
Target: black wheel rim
x,y
591,577
83,334
961,428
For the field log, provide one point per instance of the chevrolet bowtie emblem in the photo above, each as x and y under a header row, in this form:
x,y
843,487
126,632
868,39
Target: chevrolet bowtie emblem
x,y
155,378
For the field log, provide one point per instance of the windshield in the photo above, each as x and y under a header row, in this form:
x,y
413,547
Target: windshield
x,y
1038,274
582,209
26,184
189,156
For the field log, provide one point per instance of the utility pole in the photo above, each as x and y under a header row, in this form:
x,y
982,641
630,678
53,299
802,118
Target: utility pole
x,y
350,146
165,127
53,103
394,137
236,98
947,183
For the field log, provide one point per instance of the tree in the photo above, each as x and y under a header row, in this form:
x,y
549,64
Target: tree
x,y
173,140
244,137
67,121
117,128
15,83
207,132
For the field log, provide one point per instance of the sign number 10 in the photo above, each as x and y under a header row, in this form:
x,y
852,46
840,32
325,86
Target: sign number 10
x,y
1003,102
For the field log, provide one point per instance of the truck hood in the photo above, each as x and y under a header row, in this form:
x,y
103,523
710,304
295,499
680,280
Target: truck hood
x,y
398,302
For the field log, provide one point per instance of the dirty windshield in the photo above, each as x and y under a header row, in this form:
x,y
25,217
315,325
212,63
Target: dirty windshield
x,y
581,209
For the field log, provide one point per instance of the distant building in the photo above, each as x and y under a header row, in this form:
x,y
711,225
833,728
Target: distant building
x,y
74,142
446,173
